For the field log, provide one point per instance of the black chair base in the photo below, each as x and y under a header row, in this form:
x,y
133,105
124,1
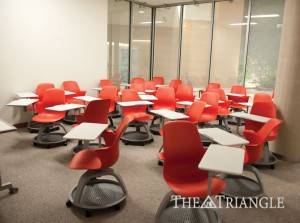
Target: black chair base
x,y
69,119
33,127
116,113
49,140
136,138
268,159
154,128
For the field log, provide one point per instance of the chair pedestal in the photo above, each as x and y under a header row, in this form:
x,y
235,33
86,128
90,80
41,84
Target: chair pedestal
x,y
242,187
268,159
48,140
33,127
166,213
138,137
93,193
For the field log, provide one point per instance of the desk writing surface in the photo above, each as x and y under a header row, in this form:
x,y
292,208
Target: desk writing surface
x,y
86,131
166,113
234,94
189,103
139,93
222,137
248,104
148,97
223,159
65,107
97,88
27,95
87,98
251,117
160,85
149,91
125,85
69,93
6,127
24,102
134,103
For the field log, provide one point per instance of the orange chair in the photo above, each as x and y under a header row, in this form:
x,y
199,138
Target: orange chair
x,y
96,112
110,92
94,192
40,91
137,80
223,108
262,97
48,118
158,80
242,187
184,93
183,151
238,89
210,113
166,100
150,87
140,119
210,86
175,83
266,109
138,87
73,87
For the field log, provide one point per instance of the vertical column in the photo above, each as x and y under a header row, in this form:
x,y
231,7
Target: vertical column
x,y
287,89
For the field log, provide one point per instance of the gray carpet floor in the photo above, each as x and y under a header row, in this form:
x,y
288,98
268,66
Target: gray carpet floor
x,y
44,181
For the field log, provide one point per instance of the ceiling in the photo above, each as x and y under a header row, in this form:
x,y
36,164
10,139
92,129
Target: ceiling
x,y
169,2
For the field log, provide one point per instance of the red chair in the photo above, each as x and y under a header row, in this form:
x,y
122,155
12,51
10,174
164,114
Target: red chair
x,y
158,80
110,92
183,151
73,87
138,87
105,82
238,89
223,108
210,86
150,87
48,118
184,93
40,91
98,163
210,113
262,97
166,100
95,112
242,187
140,119
137,80
266,109
175,83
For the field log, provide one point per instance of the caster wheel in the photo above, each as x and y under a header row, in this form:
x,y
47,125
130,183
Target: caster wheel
x,y
65,144
143,144
88,214
273,167
48,147
13,190
152,140
160,163
34,144
126,143
30,131
117,207
68,203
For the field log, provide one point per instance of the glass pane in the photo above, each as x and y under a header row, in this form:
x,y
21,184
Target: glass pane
x,y
118,41
229,43
166,43
195,44
264,42
141,42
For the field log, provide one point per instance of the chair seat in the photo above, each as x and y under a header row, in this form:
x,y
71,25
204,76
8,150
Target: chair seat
x,y
206,118
223,112
141,117
85,160
197,188
156,107
48,117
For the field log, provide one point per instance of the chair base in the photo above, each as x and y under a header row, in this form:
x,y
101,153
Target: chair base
x,y
154,129
69,119
49,140
33,127
190,215
241,187
116,113
268,159
136,138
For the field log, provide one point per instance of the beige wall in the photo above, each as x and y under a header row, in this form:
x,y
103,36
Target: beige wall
x,y
50,41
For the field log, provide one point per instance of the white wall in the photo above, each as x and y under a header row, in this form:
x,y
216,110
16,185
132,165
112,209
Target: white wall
x,y
50,41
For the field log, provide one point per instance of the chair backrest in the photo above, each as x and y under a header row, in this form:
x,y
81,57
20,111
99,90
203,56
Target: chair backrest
x,y
71,86
105,82
185,93
137,80
41,89
183,150
97,111
54,96
262,97
212,85
266,109
158,80
150,85
212,99
109,92
166,98
256,140
238,89
138,87
175,83
222,97
132,95
195,110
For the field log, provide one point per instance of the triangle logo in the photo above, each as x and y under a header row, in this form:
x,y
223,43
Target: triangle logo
x,y
208,203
